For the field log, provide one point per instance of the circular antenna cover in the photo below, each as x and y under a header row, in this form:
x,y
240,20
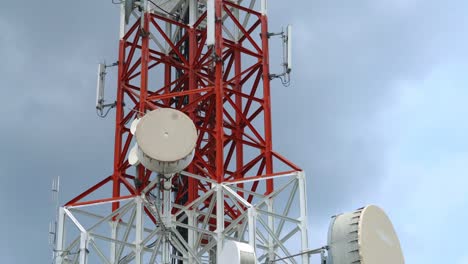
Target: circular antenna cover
x,y
364,236
237,253
166,140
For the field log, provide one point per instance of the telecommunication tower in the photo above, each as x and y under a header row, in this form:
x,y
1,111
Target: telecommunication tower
x,y
195,177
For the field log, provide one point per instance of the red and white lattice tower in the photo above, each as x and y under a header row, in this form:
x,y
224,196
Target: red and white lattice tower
x,y
236,188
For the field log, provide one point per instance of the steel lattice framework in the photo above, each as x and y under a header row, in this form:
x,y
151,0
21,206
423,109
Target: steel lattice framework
x,y
229,190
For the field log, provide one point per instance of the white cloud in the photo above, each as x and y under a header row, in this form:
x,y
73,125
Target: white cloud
x,y
425,186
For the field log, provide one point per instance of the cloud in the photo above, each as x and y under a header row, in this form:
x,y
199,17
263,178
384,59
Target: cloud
x,y
353,62
423,188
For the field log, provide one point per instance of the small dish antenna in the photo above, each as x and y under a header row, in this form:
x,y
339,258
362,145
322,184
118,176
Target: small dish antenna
x,y
165,141
364,236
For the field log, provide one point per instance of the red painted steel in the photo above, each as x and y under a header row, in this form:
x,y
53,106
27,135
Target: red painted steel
x,y
225,89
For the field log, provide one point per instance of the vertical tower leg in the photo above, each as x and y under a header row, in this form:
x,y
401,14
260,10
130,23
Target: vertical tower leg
x,y
60,236
191,235
303,218
271,244
113,246
252,227
167,218
139,231
219,222
84,248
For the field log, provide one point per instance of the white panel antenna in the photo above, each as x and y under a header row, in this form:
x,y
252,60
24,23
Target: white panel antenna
x,y
101,78
101,81
286,38
210,20
289,49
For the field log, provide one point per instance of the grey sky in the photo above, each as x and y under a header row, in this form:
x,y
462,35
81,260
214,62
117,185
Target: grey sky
x,y
378,91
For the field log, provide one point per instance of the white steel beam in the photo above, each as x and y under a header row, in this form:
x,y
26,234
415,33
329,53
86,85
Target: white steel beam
x,y
114,225
83,248
219,222
202,244
139,231
252,227
58,254
271,251
303,210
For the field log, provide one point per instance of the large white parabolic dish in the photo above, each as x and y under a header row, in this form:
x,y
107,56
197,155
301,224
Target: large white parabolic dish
x,y
166,140
365,236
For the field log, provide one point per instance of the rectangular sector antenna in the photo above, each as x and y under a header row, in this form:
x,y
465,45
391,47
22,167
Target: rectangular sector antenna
x,y
289,54
210,21
100,85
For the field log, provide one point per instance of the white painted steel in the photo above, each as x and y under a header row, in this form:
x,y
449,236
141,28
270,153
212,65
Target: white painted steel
x,y
58,254
193,12
301,181
114,225
128,6
155,243
122,20
219,223
252,214
271,243
264,7
210,20
84,248
164,7
167,47
139,231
